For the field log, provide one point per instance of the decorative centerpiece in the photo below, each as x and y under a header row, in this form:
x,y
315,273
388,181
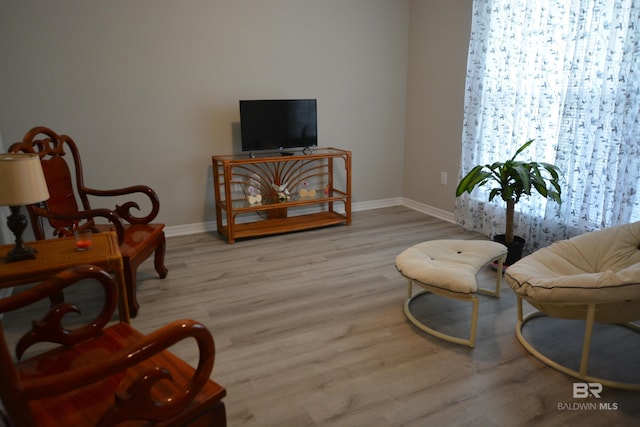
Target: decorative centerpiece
x,y
281,191
253,195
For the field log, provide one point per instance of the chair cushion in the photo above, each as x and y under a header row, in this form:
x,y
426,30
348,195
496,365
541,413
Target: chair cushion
x,y
448,264
137,237
601,266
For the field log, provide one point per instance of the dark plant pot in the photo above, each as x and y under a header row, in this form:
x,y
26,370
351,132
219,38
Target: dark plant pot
x,y
514,249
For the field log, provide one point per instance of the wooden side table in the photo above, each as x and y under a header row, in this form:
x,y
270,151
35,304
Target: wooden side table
x,y
55,255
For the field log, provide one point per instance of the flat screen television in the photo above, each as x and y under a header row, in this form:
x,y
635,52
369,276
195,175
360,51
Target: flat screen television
x,y
276,124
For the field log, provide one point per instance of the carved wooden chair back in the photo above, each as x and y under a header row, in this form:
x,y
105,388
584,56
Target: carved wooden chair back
x,y
62,167
53,150
68,207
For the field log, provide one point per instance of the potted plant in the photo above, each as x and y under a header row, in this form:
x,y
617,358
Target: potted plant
x,y
511,180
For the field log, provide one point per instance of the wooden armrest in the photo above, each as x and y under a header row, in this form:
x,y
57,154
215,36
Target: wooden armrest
x,y
154,385
113,217
146,347
49,328
125,210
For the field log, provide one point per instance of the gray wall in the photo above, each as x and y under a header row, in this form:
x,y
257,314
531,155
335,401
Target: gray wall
x,y
439,42
149,88
5,234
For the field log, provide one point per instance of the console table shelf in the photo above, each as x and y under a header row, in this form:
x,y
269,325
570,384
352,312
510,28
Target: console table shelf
x,y
317,183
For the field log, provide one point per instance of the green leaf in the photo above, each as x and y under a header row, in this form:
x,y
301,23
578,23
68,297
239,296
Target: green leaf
x,y
522,148
476,177
522,172
553,170
494,193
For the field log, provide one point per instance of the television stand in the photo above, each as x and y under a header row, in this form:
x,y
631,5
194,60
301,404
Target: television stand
x,y
262,194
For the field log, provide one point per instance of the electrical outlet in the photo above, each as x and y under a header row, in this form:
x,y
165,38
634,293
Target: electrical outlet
x,y
443,178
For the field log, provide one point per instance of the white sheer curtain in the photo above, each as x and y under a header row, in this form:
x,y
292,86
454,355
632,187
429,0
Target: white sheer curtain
x,y
567,74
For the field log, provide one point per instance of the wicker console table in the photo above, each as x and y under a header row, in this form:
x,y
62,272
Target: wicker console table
x,y
317,184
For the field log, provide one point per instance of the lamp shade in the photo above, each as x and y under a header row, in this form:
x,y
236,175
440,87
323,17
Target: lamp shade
x,y
21,180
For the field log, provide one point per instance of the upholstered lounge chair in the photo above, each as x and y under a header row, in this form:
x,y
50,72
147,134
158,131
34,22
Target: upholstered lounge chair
x,y
593,277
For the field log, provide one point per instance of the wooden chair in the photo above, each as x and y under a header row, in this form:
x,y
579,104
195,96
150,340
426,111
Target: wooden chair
x,y
100,375
138,238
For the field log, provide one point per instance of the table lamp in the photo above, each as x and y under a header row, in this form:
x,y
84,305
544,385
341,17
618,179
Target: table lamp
x,y
21,183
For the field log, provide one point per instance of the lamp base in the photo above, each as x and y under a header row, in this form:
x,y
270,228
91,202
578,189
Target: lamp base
x,y
20,253
17,223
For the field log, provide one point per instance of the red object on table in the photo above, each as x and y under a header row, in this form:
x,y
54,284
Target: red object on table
x,y
83,244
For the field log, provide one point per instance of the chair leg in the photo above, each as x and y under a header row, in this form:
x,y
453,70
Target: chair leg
x,y
584,358
471,342
131,283
159,258
131,279
586,345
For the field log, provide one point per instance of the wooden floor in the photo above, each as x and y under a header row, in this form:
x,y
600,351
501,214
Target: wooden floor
x,y
309,331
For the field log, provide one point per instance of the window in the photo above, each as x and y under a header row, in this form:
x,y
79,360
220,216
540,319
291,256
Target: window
x,y
567,74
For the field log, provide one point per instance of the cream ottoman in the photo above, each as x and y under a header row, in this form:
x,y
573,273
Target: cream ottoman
x,y
448,268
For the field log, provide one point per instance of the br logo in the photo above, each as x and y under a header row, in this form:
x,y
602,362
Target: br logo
x,y
584,390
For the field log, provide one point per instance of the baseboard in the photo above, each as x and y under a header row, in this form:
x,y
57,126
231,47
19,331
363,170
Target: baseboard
x,y
205,227
184,230
376,204
429,210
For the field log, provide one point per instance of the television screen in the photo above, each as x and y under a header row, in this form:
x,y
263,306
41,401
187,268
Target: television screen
x,y
273,124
